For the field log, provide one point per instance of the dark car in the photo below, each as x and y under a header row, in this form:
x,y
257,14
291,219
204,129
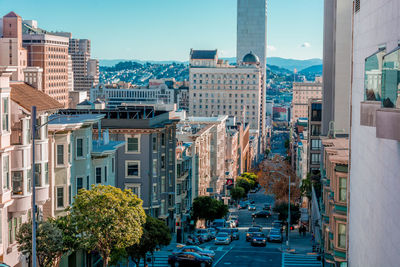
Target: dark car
x,y
242,205
267,206
195,249
258,239
235,233
275,235
189,259
261,214
251,231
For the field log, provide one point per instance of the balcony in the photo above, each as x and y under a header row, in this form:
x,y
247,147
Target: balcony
x,y
21,204
368,113
42,195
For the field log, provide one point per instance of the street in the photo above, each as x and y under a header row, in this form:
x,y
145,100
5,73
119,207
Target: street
x,y
240,252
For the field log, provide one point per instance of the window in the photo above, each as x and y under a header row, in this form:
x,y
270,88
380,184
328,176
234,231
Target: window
x,y
98,175
315,158
79,184
132,168
5,115
10,235
60,197
391,79
29,185
17,183
113,165
341,235
38,174
6,172
69,194
87,182
373,76
79,148
132,144
135,188
155,167
154,143
163,138
342,189
154,192
315,144
163,161
46,173
357,5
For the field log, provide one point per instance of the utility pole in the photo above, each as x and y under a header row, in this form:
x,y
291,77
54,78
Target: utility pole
x,y
33,118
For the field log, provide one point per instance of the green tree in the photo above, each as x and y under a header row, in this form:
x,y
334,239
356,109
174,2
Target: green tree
x,y
282,208
305,187
208,208
156,234
49,244
245,183
237,193
108,218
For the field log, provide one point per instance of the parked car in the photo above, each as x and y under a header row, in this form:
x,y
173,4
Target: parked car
x,y
275,235
223,238
252,207
4,265
251,231
243,205
212,232
192,240
196,249
203,234
231,223
189,259
258,239
261,214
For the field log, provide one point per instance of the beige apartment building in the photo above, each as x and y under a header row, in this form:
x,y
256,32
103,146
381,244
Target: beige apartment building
x,y
217,88
11,51
49,52
302,92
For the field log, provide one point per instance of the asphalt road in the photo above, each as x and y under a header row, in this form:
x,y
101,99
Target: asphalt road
x,y
241,253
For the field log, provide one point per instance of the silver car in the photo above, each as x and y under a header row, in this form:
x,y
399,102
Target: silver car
x,y
222,239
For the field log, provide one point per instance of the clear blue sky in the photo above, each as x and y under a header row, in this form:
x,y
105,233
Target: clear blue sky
x,y
167,29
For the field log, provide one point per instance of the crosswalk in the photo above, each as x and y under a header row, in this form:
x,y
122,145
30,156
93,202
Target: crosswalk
x,y
289,260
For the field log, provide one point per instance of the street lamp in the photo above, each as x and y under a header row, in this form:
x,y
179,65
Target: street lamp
x,y
288,218
34,129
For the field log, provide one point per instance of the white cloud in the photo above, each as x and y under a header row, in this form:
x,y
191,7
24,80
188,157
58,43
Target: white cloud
x,y
306,44
271,48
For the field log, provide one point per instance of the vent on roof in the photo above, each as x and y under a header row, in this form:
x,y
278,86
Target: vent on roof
x,y
357,5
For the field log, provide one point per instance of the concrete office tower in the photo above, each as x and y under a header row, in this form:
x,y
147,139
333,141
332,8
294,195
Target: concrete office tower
x,y
70,75
375,136
49,52
337,66
302,92
252,29
11,51
86,70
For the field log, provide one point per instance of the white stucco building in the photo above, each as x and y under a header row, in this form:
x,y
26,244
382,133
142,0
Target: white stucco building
x,y
374,211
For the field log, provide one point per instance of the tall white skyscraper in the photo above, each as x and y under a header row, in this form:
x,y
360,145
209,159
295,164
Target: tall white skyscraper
x,y
252,29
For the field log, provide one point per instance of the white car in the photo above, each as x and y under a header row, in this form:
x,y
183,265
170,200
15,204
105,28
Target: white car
x,y
231,224
222,238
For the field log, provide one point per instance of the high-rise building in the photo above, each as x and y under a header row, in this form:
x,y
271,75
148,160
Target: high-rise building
x,y
252,29
217,88
375,135
86,70
302,92
49,52
337,66
11,51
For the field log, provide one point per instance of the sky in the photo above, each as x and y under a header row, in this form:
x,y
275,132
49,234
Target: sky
x,y
168,29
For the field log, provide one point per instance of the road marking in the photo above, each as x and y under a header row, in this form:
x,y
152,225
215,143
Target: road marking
x,y
223,255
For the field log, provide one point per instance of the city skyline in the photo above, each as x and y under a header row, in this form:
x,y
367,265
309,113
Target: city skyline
x,y
154,26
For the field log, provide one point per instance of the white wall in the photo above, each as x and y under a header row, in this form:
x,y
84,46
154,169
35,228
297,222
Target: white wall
x,y
374,213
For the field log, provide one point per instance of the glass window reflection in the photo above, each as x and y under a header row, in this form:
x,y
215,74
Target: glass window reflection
x,y
391,79
373,76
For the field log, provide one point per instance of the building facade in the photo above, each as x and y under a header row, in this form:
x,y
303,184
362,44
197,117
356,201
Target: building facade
x,y
375,154
313,136
302,92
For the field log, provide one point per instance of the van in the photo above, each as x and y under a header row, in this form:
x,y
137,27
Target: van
x,y
219,223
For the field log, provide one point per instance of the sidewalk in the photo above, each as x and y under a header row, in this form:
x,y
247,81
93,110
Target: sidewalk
x,y
298,244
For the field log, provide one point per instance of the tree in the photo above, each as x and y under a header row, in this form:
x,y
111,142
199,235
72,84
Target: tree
x,y
245,183
108,218
49,242
208,208
70,236
237,193
155,235
282,208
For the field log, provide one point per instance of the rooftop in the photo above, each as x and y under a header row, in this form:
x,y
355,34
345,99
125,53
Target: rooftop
x,y
12,14
203,54
59,119
26,96
100,149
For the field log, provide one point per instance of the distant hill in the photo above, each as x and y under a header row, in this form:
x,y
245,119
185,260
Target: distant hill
x,y
316,69
285,63
276,69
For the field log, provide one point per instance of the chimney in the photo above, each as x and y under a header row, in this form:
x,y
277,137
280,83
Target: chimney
x,y
33,77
